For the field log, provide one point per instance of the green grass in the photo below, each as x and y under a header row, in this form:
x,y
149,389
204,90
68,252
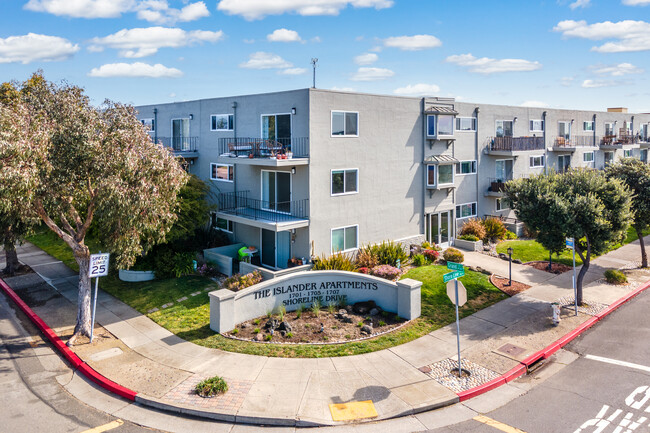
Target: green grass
x,y
529,250
190,319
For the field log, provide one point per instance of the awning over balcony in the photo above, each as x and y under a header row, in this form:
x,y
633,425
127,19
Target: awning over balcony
x,y
440,159
440,109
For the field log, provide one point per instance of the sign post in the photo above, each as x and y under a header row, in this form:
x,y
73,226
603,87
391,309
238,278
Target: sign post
x,y
98,267
570,243
459,299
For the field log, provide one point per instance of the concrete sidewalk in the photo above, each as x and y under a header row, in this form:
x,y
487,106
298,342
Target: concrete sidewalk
x,y
135,352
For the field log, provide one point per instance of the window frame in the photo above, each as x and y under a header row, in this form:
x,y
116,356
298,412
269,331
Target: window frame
x,y
332,135
453,178
473,209
496,128
613,128
474,166
498,204
435,175
344,170
230,123
530,125
473,122
229,223
627,153
344,250
152,122
591,162
591,122
532,157
217,164
436,121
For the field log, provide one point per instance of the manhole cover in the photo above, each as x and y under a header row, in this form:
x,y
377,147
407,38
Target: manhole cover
x,y
511,350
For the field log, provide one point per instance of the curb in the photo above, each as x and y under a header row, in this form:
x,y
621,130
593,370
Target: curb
x,y
549,350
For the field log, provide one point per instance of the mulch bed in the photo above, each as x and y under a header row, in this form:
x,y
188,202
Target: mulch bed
x,y
502,284
556,268
307,328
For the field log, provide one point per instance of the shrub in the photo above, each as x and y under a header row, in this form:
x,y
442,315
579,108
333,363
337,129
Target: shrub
x,y
453,255
315,307
331,308
360,324
268,337
431,255
299,310
212,386
510,235
183,264
426,245
382,323
335,262
474,227
385,271
615,277
238,282
207,270
363,270
256,331
471,238
235,331
494,229
366,258
530,233
388,253
289,335
419,260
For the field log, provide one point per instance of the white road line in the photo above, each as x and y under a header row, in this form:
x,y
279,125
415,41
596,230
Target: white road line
x,y
617,362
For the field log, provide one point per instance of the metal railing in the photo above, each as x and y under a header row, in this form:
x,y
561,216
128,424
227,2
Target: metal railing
x,y
575,141
515,144
238,203
498,184
180,144
265,148
614,140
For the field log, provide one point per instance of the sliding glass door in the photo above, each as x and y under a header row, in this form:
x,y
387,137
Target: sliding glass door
x,y
276,191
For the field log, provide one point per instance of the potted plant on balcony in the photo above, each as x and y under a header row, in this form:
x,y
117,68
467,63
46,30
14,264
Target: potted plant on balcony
x,y
289,154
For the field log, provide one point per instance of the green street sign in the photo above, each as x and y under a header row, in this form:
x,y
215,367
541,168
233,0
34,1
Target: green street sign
x,y
451,275
455,266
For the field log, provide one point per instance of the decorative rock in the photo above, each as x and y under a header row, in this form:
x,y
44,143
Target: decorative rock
x,y
364,307
366,329
284,327
347,319
283,333
243,326
348,308
343,312
271,324
258,337
516,261
503,256
374,311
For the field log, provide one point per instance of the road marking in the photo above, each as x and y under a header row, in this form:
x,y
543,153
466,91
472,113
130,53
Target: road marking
x,y
497,425
105,427
617,362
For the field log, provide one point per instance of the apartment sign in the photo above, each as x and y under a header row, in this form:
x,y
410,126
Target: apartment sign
x,y
305,288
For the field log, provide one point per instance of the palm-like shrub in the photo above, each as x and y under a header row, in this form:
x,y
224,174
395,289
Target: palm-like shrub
x,y
474,227
494,229
335,262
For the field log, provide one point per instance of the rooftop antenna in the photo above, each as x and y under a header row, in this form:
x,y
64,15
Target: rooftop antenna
x,y
314,60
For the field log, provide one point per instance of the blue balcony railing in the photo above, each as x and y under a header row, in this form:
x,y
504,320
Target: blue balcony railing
x,y
298,147
238,203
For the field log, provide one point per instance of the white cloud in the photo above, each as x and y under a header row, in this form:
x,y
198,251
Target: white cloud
x,y
485,65
372,74
172,95
617,70
343,89
33,47
142,42
534,104
284,35
628,35
137,69
262,60
293,71
418,90
413,43
258,9
567,81
594,84
580,4
82,8
316,39
366,59
636,2
193,12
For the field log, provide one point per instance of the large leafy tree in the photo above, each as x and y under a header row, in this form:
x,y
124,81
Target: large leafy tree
x,y
582,204
96,165
636,175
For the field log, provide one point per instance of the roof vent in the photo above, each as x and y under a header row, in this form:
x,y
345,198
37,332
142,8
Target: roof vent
x,y
617,110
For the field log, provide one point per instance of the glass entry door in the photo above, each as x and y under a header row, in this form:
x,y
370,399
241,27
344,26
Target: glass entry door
x,y
503,170
276,191
440,228
277,127
180,134
276,249
268,248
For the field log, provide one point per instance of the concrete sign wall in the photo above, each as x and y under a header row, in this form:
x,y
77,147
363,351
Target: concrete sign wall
x,y
228,308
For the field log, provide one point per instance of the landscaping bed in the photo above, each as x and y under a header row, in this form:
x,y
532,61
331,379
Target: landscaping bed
x,y
556,268
504,285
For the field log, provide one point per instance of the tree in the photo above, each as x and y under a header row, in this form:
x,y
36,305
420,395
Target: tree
x,y
582,204
95,166
636,175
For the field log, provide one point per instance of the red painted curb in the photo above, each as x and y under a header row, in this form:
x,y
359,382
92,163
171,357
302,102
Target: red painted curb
x,y
72,357
515,373
481,389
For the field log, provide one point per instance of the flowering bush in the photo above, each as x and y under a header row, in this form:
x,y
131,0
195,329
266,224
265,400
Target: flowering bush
x,y
364,270
431,255
387,272
238,282
207,270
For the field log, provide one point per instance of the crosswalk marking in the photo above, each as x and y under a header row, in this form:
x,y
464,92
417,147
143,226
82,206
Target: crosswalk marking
x,y
617,362
497,425
106,427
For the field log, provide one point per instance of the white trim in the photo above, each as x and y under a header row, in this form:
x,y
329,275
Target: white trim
x,y
504,129
224,165
466,160
466,130
344,135
453,125
543,159
435,175
229,223
151,123
224,114
453,175
344,250
276,114
276,190
332,194
536,130
496,207
466,204
593,125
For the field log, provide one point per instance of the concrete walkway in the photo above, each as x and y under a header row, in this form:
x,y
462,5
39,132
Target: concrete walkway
x,y
135,352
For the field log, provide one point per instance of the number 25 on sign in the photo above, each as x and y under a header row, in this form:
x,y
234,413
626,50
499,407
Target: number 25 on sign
x,y
98,267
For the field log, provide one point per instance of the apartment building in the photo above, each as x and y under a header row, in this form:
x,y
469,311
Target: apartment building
x,y
310,172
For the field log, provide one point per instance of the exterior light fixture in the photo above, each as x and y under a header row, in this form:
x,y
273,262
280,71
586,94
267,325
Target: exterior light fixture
x,y
293,111
510,264
293,170
516,118
191,116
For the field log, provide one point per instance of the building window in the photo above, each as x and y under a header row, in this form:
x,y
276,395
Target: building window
x,y
222,122
504,128
431,126
149,124
588,157
537,161
609,129
466,210
536,126
588,126
627,153
467,124
466,167
609,158
222,224
502,204
345,181
345,123
644,155
445,175
564,130
440,125
563,163
431,175
222,172
345,239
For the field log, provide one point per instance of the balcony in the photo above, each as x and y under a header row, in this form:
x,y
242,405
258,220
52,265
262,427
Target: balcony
x,y
262,151
504,146
187,147
564,144
270,215
497,187
618,142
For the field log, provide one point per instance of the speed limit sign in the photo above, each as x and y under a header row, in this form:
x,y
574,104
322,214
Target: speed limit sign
x,y
98,265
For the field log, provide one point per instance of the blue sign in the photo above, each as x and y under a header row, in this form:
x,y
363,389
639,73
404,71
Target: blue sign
x,y
569,243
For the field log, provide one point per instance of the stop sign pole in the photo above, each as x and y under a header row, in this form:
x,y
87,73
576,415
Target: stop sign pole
x,y
459,271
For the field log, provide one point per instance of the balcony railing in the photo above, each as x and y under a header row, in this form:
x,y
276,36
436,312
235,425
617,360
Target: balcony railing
x,y
516,144
264,148
238,203
575,141
180,144
498,184
613,140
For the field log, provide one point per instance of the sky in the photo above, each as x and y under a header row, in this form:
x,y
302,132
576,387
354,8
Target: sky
x,y
582,54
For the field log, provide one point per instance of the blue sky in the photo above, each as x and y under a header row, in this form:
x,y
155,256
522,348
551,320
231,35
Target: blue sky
x,y
584,54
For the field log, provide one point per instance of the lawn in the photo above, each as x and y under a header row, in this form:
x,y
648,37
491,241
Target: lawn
x,y
190,319
530,250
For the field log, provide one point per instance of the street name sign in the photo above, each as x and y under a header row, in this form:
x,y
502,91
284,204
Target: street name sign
x,y
462,293
451,275
455,266
569,243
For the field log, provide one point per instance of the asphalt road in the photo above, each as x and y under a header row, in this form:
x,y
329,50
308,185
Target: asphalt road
x,y
597,393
